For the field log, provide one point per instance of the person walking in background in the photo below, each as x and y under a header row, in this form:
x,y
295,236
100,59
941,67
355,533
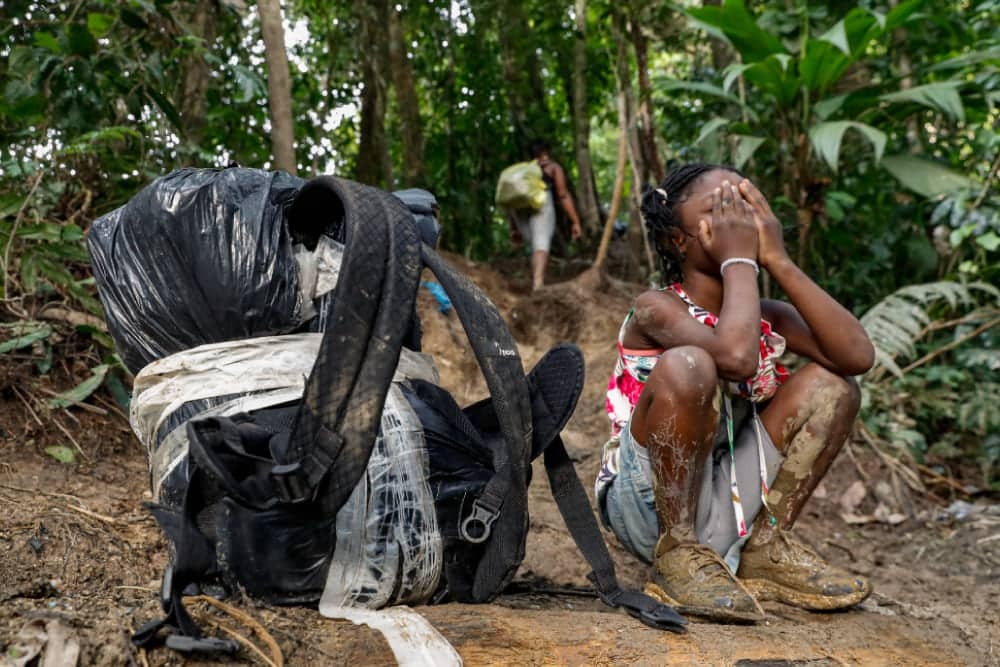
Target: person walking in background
x,y
539,226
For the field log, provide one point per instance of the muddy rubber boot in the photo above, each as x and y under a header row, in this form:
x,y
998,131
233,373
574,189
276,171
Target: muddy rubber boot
x,y
785,570
695,580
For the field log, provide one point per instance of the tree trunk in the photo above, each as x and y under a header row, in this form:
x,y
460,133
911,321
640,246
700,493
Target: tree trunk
x,y
523,83
373,167
407,104
197,74
586,197
616,195
651,162
627,110
279,85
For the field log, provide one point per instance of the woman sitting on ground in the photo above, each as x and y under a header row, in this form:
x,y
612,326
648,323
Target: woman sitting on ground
x,y
716,446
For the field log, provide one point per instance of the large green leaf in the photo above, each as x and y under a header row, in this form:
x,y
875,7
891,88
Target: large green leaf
x,y
745,148
772,75
925,177
47,40
991,54
99,23
826,58
80,392
829,106
710,128
837,35
664,84
734,21
821,64
826,139
27,336
902,13
941,96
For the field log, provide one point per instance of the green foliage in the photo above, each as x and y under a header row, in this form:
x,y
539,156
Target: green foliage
x,y
871,126
80,392
940,407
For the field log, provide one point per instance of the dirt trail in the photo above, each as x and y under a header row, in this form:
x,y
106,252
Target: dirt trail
x,y
76,547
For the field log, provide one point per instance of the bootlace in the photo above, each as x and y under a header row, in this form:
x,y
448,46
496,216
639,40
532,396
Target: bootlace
x,y
707,561
794,545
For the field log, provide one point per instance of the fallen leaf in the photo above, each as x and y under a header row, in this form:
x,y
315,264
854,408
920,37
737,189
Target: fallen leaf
x,y
853,496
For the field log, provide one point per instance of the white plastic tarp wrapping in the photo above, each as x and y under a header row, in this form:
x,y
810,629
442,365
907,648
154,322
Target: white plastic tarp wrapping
x,y
388,544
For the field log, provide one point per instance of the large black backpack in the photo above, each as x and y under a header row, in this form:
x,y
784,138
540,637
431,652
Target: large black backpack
x,y
201,257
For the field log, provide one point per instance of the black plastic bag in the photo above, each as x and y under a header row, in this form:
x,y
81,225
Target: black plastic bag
x,y
199,256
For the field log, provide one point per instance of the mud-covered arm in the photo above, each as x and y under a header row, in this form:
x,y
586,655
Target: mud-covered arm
x,y
733,343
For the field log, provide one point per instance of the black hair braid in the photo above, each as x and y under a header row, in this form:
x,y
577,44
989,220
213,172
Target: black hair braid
x,y
659,212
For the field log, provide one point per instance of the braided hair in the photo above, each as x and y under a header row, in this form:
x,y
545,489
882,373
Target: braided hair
x,y
659,212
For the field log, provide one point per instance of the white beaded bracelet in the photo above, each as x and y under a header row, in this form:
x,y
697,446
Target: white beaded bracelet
x,y
739,260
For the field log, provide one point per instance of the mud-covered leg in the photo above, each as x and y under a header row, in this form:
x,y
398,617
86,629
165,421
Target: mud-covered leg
x,y
809,421
676,419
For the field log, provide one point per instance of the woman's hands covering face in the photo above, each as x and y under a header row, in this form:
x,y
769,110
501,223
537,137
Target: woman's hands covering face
x,y
731,232
772,246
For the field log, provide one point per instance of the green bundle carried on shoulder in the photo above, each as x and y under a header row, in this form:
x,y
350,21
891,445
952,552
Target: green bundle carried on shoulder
x,y
521,186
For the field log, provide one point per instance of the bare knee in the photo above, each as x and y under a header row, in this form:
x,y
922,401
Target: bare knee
x,y
688,374
829,387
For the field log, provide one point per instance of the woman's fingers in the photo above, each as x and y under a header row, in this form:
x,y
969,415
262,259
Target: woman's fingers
x,y
753,195
705,232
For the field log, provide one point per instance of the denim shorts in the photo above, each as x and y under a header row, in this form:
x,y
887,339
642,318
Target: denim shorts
x,y
629,507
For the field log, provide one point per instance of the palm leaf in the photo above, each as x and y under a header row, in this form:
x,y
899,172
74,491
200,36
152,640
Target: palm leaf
x,y
896,323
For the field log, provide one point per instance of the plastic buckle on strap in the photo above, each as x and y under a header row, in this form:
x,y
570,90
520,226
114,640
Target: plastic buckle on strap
x,y
290,484
481,519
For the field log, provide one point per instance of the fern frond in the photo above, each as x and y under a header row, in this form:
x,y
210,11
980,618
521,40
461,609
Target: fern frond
x,y
896,323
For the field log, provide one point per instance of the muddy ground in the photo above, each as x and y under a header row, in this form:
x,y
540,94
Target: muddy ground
x,y
80,557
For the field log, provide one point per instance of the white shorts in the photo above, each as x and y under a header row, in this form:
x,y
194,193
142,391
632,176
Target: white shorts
x,y
537,226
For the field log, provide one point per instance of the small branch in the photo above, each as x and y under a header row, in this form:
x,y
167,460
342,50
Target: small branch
x,y
17,392
40,492
989,181
71,439
111,406
95,515
857,466
78,404
13,230
74,317
971,317
911,478
616,195
278,659
243,641
953,344
837,545
941,479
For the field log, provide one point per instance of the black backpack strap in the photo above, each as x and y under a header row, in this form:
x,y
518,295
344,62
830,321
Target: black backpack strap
x,y
575,509
555,384
504,532
341,409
